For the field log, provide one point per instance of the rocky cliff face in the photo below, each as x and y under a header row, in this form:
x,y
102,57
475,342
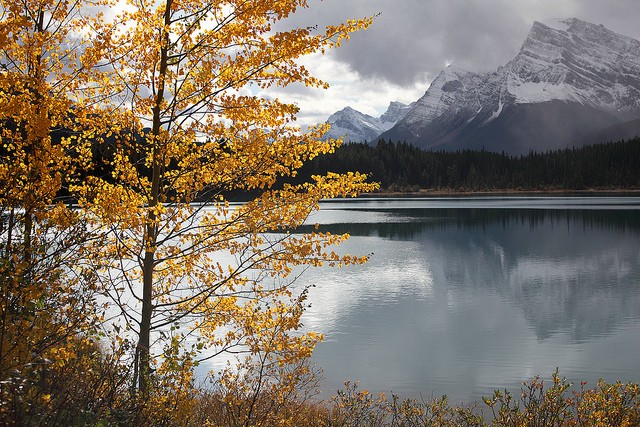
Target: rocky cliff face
x,y
570,80
575,61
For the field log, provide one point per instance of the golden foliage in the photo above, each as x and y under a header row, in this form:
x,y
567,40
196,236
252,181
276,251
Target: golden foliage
x,y
188,126
47,294
148,114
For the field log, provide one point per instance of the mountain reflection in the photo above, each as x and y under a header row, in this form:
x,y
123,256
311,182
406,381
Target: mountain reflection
x,y
563,278
408,223
485,297
575,271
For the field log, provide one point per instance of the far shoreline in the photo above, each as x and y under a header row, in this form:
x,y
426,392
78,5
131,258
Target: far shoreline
x,y
430,192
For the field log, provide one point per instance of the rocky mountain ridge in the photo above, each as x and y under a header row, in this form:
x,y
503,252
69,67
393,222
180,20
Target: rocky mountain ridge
x,y
352,125
570,79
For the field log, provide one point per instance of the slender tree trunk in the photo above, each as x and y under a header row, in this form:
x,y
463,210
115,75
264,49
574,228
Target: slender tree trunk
x,y
151,230
144,344
6,284
28,236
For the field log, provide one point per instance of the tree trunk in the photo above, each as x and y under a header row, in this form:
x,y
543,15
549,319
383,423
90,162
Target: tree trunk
x,y
151,230
144,343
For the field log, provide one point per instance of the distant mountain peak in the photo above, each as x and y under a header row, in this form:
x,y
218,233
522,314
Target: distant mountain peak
x,y
570,78
560,24
352,125
576,61
395,112
348,109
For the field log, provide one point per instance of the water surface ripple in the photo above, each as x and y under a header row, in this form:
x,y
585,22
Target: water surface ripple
x,y
465,295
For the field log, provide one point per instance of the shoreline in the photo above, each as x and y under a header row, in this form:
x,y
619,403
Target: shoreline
x,y
502,192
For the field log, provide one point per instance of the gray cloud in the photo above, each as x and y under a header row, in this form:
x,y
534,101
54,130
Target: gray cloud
x,y
414,39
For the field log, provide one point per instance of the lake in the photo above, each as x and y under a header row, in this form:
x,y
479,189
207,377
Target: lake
x,y
465,295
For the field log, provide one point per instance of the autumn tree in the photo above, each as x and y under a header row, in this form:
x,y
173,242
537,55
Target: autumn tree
x,y
35,232
185,124
48,305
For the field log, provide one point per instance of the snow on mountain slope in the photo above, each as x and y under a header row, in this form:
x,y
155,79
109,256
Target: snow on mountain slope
x,y
395,112
352,125
452,89
576,61
585,72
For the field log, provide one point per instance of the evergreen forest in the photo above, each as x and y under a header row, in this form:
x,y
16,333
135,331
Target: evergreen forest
x,y
399,166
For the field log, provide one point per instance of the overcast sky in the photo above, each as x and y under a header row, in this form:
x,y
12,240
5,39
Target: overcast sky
x,y
411,41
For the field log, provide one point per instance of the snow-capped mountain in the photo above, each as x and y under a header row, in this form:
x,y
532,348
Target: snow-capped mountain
x,y
575,61
352,125
570,79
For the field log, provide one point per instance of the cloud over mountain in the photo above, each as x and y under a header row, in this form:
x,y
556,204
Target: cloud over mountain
x,y
570,78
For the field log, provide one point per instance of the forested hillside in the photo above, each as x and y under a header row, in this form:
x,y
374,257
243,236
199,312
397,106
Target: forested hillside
x,y
403,167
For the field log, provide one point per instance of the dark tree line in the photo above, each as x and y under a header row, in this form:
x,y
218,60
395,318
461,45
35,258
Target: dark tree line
x,y
400,166
404,167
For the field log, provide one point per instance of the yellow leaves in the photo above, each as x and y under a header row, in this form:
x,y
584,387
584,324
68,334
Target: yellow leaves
x,y
46,398
277,368
111,204
62,355
608,404
347,185
159,114
39,79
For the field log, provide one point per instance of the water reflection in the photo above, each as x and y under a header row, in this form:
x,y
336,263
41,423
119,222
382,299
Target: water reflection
x,y
407,223
461,301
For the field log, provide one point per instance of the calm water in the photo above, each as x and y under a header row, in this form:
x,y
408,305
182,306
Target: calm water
x,y
465,295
